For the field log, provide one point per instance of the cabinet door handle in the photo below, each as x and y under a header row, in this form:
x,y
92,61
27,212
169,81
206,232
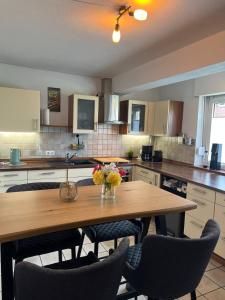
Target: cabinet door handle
x,y
196,224
199,191
47,173
144,172
10,175
199,202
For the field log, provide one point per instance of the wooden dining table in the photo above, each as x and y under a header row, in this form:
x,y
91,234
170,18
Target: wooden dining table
x,y
27,214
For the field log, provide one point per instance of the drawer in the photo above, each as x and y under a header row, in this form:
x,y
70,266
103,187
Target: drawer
x,y
220,247
84,172
151,177
143,178
59,179
219,216
204,211
202,192
6,185
220,199
76,179
50,174
11,175
193,227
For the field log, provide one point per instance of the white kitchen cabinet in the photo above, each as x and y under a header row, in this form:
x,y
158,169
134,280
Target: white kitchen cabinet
x,y
146,176
51,175
11,178
79,174
83,113
168,116
19,110
219,216
134,114
195,219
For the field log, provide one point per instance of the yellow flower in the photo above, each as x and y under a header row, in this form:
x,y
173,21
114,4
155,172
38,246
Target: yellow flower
x,y
98,177
114,178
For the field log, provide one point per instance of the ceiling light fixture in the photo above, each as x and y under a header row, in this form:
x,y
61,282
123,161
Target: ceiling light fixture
x,y
138,14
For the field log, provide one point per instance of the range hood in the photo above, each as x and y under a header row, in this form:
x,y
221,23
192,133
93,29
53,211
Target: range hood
x,y
109,103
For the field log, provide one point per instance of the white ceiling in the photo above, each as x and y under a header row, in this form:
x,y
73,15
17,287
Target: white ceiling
x,y
70,37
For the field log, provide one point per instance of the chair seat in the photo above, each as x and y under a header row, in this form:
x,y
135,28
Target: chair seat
x,y
134,255
46,243
114,230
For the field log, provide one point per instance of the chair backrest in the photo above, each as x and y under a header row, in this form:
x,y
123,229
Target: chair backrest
x,y
85,182
172,267
98,281
34,186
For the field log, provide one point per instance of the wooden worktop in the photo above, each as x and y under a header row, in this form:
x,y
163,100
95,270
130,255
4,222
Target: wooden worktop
x,y
26,214
187,173
181,171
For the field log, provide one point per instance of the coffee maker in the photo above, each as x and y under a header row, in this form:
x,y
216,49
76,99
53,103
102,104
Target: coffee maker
x,y
146,154
216,155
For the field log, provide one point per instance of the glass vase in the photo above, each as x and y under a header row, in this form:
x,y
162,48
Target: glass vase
x,y
108,192
68,191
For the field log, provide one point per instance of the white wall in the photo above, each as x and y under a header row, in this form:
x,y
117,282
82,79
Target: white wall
x,y
212,84
201,58
27,78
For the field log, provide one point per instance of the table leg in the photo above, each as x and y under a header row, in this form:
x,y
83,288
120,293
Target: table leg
x,y
146,222
7,271
160,222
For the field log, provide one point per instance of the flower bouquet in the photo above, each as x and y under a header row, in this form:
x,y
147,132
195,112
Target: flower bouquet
x,y
109,176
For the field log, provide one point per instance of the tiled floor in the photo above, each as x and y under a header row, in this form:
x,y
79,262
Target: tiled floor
x,y
212,286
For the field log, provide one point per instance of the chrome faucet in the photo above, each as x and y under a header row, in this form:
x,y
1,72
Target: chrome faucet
x,y
70,156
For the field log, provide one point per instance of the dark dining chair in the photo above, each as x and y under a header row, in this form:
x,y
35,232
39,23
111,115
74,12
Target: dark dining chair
x,y
165,267
96,281
110,231
45,243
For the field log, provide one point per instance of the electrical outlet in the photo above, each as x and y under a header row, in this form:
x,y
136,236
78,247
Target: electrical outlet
x,y
50,153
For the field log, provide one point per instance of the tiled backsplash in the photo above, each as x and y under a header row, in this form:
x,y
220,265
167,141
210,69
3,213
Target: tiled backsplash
x,y
105,142
173,150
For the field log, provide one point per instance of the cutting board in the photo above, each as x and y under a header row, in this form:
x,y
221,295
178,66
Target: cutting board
x,y
111,160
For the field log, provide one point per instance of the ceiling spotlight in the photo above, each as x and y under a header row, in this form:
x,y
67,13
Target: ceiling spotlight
x,y
138,14
116,34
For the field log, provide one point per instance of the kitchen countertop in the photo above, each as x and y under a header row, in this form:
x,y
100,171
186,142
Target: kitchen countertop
x,y
177,170
187,173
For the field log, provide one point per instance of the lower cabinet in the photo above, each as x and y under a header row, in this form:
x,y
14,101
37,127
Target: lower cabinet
x,y
219,216
193,227
146,176
11,178
79,174
58,175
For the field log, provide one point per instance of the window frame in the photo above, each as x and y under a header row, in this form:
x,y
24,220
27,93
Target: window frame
x,y
208,116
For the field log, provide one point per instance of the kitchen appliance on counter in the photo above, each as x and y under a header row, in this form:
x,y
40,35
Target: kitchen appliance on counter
x,y
216,156
15,155
146,153
175,221
157,156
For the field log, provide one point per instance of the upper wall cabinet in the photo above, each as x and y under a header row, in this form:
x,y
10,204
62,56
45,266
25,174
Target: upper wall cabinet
x,y
134,114
19,110
83,113
168,116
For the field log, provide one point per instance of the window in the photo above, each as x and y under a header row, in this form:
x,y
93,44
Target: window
x,y
214,127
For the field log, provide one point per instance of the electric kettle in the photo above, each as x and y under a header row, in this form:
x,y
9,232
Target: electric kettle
x,y
15,155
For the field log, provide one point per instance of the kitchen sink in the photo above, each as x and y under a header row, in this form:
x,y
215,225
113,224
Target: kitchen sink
x,y
76,162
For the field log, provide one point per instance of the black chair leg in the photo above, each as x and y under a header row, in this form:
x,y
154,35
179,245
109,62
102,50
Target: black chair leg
x,y
136,239
193,295
81,245
115,243
60,255
96,249
73,253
